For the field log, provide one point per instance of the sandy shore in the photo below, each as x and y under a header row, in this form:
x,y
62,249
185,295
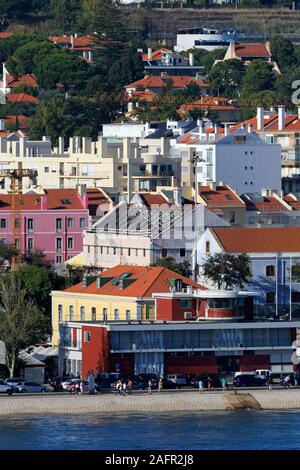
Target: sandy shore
x,y
156,403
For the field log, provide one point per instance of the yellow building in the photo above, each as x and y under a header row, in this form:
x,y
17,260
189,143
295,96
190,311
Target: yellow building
x,y
122,293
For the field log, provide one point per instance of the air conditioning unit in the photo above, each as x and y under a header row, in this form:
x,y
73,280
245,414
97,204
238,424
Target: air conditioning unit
x,y
188,315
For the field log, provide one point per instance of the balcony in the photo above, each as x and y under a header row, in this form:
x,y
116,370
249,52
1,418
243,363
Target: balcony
x,y
159,174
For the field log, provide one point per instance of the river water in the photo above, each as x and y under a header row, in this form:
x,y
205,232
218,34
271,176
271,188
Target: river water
x,y
246,429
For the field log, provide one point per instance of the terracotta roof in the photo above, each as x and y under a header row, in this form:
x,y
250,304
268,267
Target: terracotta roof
x,y
268,204
96,197
153,200
259,240
251,50
158,55
220,197
23,120
56,200
293,201
291,123
21,97
208,103
148,280
5,34
26,79
160,82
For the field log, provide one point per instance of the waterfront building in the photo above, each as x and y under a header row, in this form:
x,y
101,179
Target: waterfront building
x,y
275,265
103,325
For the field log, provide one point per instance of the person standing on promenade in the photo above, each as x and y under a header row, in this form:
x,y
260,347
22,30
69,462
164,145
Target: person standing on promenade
x,y
124,388
129,386
91,382
200,385
160,384
286,381
81,387
208,382
149,386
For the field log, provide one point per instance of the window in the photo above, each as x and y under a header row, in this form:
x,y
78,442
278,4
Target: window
x,y
136,252
30,244
164,252
105,315
82,314
270,270
30,225
58,259
232,217
114,251
94,314
82,222
46,169
144,253
207,247
182,252
270,297
101,250
87,336
3,223
58,245
58,225
70,223
71,312
70,243
129,251
295,297
128,315
66,202
117,314
246,168
185,303
60,313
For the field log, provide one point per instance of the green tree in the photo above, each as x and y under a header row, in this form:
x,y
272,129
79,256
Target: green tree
x,y
65,14
29,90
283,52
228,271
258,77
183,268
103,17
28,56
21,322
48,120
7,252
227,77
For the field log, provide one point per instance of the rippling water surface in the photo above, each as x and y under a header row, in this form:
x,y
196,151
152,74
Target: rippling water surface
x,y
245,429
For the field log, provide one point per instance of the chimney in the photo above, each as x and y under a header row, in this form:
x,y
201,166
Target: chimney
x,y
260,118
130,106
98,282
61,145
44,202
191,59
298,112
281,117
2,125
226,129
212,185
75,35
216,128
250,128
243,126
72,41
149,53
90,56
200,128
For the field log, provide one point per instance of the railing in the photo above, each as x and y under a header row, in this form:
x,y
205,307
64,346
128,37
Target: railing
x,y
154,174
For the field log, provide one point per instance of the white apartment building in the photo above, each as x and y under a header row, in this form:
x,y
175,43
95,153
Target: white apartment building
x,y
240,159
135,234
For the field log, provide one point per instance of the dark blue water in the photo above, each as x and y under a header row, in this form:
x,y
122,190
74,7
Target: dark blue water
x,y
245,429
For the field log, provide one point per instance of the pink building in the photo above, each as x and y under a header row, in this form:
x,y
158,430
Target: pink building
x,y
52,222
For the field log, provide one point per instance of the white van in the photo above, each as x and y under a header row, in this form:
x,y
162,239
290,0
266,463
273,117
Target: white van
x,y
178,379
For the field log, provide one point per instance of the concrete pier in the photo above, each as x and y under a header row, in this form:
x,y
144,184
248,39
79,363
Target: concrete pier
x,y
188,401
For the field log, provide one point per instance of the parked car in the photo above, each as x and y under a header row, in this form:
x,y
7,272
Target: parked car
x,y
75,382
177,379
13,382
30,387
168,384
5,388
249,380
104,380
153,377
215,380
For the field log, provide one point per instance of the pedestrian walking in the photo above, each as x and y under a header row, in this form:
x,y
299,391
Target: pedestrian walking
x,y
200,385
209,383
119,387
224,384
149,386
160,384
124,388
81,387
91,383
286,382
78,389
269,384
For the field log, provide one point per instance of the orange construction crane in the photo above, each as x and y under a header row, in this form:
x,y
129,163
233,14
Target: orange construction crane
x,y
16,176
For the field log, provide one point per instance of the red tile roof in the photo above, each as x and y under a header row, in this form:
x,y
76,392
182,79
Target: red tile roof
x,y
96,197
12,119
5,34
21,98
291,123
160,82
258,240
251,50
55,199
292,200
220,197
26,79
148,280
269,204
153,200
158,55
